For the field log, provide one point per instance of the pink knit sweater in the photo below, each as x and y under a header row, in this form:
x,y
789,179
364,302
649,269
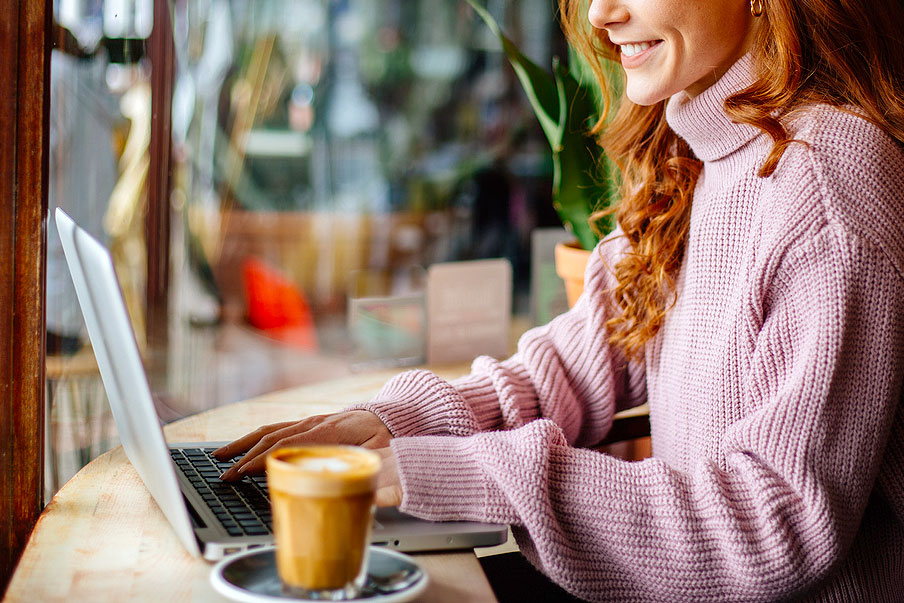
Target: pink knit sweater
x,y
774,390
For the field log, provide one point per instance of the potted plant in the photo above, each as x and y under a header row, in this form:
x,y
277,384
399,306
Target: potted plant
x,y
567,103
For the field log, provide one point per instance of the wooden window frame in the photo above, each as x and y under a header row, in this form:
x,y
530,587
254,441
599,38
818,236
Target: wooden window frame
x,y
24,104
157,220
25,43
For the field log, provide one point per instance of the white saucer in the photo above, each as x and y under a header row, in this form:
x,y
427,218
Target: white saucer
x,y
251,577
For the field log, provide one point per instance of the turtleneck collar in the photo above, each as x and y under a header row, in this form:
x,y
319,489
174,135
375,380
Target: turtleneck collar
x,y
702,120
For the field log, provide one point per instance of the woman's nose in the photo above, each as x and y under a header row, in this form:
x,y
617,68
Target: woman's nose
x,y
605,13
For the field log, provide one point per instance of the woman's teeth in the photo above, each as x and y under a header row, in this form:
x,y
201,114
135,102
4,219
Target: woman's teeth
x,y
629,50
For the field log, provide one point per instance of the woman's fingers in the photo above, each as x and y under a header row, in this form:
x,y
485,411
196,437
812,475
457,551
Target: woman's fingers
x,y
247,441
356,428
254,460
345,428
252,463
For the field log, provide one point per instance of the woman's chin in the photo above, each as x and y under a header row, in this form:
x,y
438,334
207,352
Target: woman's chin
x,y
645,95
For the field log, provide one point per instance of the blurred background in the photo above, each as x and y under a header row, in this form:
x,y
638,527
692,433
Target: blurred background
x,y
247,161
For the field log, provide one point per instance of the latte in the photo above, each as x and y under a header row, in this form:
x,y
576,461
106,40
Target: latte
x,y
323,503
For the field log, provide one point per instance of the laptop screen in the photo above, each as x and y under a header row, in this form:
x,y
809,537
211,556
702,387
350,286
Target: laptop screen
x,y
122,372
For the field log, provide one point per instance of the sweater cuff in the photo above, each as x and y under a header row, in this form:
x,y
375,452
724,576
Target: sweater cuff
x,y
442,481
420,403
479,394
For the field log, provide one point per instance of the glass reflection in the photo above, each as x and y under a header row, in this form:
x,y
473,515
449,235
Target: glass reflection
x,y
312,141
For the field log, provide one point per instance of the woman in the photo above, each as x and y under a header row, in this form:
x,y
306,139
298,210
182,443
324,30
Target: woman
x,y
753,295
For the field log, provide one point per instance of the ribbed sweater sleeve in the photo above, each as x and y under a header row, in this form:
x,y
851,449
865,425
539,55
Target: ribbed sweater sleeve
x,y
564,371
772,518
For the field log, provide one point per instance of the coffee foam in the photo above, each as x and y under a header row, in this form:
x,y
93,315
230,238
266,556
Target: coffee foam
x,y
324,465
323,470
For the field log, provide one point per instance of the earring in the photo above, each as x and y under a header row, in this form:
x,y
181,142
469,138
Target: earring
x,y
756,8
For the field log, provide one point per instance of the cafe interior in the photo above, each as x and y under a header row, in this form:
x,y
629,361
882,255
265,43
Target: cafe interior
x,y
295,195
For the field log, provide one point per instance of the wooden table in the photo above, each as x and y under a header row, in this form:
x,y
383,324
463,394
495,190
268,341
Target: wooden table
x,y
102,537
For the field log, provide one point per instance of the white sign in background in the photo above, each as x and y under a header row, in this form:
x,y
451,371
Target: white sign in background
x,y
469,309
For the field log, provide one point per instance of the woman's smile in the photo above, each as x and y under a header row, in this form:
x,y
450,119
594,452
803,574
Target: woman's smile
x,y
634,54
666,46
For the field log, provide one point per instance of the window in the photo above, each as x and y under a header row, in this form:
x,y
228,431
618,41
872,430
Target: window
x,y
313,142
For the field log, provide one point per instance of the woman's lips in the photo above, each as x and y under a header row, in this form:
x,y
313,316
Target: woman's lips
x,y
634,54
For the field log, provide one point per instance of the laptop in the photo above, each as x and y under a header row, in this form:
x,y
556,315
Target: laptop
x,y
211,518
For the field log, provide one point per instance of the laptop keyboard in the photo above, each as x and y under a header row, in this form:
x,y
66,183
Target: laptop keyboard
x,y
242,507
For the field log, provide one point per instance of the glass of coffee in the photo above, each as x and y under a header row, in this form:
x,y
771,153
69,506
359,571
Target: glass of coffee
x,y
323,506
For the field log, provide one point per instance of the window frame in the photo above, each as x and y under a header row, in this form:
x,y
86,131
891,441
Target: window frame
x,y
24,110
25,43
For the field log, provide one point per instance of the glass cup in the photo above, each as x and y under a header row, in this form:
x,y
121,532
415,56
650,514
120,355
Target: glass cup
x,y
323,507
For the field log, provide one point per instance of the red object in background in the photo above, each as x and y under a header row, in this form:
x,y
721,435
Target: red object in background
x,y
276,306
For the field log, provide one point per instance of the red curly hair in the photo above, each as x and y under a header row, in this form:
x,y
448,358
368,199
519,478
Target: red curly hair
x,y
845,54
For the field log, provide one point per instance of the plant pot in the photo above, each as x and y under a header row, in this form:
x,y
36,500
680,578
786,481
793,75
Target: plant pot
x,y
571,260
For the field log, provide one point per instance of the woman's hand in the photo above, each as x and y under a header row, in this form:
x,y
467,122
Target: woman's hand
x,y
357,428
389,487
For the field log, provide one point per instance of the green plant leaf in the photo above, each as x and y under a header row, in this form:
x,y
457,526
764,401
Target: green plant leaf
x,y
538,84
586,79
566,107
577,191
